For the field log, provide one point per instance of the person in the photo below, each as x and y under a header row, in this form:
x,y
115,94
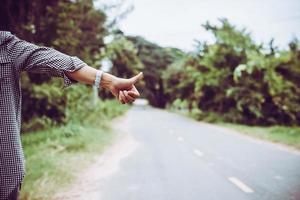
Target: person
x,y
17,55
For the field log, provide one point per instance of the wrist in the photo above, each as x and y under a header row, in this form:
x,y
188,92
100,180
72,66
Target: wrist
x,y
107,80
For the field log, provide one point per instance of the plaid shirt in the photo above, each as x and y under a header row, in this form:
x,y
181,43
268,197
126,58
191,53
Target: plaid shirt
x,y
16,56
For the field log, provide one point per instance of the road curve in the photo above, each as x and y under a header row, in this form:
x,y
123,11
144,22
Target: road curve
x,y
180,159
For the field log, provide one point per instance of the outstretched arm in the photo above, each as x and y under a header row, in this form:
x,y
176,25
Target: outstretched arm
x,y
32,58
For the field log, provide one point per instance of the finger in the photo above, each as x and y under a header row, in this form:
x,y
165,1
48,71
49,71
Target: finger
x,y
134,92
124,99
120,97
129,98
136,78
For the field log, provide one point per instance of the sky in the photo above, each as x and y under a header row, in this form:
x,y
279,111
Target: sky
x,y
177,23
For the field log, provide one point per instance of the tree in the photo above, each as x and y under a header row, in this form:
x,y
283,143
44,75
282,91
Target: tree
x,y
123,55
155,59
73,27
238,80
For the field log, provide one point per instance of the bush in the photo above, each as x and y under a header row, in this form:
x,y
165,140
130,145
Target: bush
x,y
237,80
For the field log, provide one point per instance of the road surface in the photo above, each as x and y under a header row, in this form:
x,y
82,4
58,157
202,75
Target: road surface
x,y
178,158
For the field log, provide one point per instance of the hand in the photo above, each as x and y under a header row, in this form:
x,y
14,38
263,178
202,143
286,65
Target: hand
x,y
123,89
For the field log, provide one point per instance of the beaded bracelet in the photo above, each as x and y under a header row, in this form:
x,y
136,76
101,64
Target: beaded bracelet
x,y
98,79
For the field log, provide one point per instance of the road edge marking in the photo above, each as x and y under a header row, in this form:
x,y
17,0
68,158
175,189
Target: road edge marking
x,y
242,186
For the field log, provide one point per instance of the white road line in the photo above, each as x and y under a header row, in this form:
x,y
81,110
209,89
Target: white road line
x,y
198,153
240,185
180,139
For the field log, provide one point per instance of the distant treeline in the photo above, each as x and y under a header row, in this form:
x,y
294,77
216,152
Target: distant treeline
x,y
234,79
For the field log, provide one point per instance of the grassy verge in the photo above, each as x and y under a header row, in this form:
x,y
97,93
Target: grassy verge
x,y
279,134
55,155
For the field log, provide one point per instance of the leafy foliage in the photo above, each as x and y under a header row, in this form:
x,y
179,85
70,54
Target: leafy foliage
x,y
155,60
238,79
233,79
73,27
123,55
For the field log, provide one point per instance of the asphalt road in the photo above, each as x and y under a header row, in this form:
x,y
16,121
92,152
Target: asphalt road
x,y
181,159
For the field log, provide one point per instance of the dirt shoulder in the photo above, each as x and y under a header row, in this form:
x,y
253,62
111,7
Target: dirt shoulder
x,y
88,183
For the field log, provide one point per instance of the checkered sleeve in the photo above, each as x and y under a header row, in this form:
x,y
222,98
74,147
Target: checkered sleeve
x,y
32,58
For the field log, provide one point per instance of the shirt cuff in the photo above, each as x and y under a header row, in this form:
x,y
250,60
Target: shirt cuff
x,y
76,64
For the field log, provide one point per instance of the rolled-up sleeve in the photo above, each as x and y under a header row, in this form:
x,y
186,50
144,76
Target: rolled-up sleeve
x,y
32,58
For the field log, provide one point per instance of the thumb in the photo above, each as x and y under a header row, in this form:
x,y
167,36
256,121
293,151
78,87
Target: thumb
x,y
136,78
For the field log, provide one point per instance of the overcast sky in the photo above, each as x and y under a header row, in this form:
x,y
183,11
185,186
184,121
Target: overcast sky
x,y
177,23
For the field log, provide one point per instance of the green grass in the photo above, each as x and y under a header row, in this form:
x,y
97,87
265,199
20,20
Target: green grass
x,y
279,134
54,156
